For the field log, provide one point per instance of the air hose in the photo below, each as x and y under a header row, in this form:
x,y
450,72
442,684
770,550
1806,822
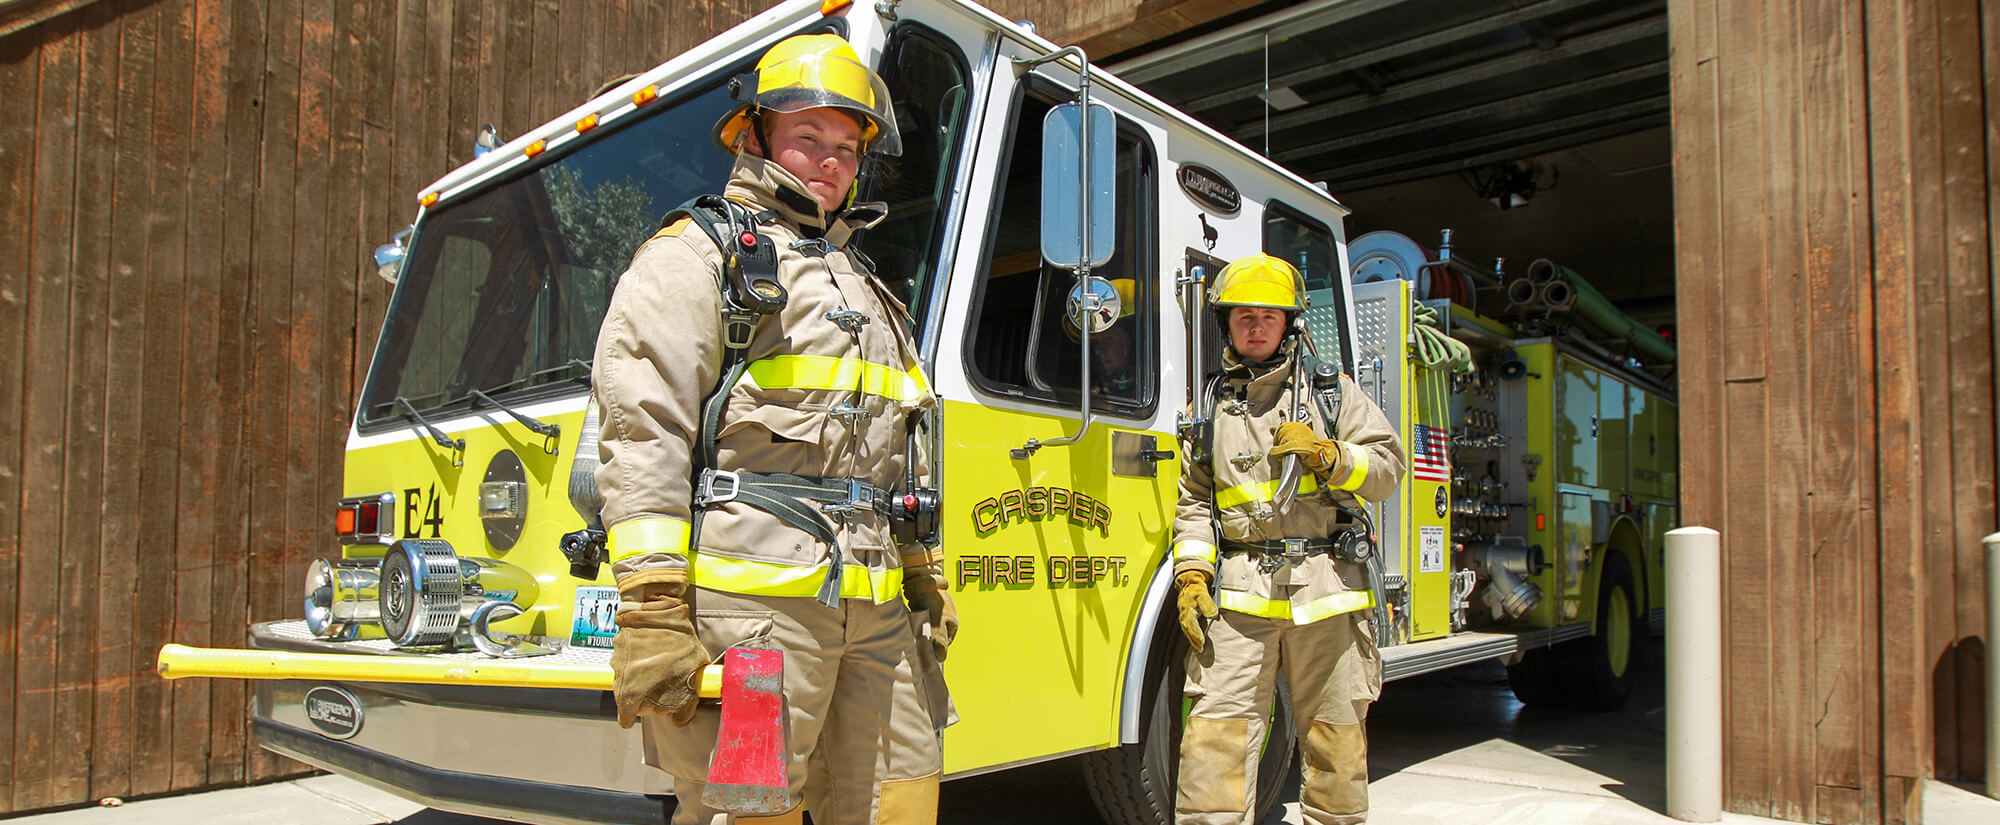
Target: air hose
x,y
1434,349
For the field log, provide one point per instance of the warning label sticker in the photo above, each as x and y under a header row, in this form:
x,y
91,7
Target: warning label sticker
x,y
1430,549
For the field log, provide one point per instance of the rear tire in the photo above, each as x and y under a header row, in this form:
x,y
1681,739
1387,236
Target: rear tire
x,y
1134,784
1602,666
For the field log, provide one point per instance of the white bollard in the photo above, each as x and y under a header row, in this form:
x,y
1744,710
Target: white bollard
x,y
1694,674
1993,665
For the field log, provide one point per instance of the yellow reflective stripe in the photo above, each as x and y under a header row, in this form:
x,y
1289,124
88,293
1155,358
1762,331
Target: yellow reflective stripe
x,y
1334,605
1357,461
656,534
1243,602
759,578
1315,610
1196,549
1256,491
821,372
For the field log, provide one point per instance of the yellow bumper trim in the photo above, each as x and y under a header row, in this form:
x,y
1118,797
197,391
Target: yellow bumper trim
x,y
181,662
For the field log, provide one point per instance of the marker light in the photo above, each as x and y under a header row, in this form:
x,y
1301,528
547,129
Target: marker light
x,y
588,123
645,96
364,519
535,148
831,6
1541,522
428,199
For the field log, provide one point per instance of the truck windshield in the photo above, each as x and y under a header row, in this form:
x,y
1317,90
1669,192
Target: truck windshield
x,y
504,290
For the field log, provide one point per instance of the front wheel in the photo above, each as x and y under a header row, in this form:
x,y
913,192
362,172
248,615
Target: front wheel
x,y
1134,784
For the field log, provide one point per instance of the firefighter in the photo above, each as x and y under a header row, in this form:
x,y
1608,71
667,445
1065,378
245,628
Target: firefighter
x,y
1291,592
763,519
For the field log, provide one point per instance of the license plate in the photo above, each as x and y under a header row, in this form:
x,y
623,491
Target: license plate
x,y
596,614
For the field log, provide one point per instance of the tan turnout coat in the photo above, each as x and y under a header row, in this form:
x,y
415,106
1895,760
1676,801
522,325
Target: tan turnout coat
x,y
660,352
1234,491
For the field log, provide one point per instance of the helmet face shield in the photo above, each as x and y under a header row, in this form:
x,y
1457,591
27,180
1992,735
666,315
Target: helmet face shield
x,y
812,80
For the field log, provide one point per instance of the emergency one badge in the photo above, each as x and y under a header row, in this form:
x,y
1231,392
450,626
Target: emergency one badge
x,y
334,711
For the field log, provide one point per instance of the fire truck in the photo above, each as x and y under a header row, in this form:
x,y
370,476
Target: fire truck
x,y
449,618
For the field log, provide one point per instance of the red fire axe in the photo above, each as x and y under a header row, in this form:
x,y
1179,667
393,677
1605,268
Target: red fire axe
x,y
746,772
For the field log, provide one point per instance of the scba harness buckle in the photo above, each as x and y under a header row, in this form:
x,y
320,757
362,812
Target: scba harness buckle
x,y
860,496
705,493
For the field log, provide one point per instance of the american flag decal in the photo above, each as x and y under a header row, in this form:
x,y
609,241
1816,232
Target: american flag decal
x,y
1429,456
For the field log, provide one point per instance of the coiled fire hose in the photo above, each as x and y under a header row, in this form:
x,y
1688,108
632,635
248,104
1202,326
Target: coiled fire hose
x,y
1433,348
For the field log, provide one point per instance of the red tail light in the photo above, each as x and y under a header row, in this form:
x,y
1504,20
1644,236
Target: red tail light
x,y
365,519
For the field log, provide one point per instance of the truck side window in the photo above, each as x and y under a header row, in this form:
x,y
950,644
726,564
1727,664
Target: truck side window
x,y
1021,344
1308,244
926,76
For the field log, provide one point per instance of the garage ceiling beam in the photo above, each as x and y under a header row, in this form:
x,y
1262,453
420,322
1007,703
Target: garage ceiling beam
x,y
1512,137
1586,44
1337,185
1498,108
1244,37
1442,37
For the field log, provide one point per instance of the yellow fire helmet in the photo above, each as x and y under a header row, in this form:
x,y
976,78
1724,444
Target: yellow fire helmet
x,y
810,71
1258,281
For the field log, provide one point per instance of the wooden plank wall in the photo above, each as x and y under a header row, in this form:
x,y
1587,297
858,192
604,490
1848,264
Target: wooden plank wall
x,y
1835,202
192,189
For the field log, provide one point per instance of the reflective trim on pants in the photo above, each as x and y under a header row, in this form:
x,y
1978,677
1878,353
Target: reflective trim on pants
x,y
759,578
1343,602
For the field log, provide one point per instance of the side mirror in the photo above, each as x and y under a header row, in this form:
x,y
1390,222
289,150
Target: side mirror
x,y
1094,305
389,257
1075,148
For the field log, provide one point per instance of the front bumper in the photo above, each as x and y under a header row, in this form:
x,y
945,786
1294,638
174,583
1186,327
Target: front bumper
x,y
540,755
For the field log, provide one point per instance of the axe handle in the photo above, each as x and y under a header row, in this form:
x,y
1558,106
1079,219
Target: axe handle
x,y
182,661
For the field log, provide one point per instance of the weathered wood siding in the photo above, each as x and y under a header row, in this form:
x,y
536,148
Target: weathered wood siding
x,y
190,191
1833,199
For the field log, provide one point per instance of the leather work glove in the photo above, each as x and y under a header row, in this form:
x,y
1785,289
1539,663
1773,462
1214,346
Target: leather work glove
x,y
1195,605
656,659
1322,455
924,586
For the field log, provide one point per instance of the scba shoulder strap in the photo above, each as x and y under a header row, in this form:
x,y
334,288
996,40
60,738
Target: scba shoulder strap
x,y
750,285
750,291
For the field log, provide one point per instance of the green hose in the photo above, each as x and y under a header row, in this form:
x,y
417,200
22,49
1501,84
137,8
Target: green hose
x,y
1433,348
1604,323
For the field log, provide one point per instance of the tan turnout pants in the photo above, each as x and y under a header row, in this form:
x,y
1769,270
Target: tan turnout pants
x,y
1334,673
862,748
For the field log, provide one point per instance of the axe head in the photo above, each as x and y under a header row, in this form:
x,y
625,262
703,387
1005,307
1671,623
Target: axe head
x,y
746,772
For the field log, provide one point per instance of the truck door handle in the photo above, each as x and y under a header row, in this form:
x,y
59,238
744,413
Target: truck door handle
x,y
1156,455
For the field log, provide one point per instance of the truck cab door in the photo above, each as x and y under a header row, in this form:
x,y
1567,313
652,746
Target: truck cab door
x,y
1051,550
